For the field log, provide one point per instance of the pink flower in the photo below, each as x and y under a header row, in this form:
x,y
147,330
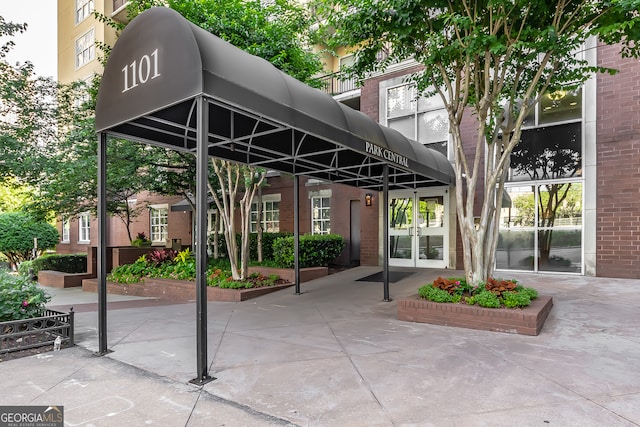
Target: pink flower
x,y
25,303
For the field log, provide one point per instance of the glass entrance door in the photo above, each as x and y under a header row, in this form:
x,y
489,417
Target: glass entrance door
x,y
401,230
418,229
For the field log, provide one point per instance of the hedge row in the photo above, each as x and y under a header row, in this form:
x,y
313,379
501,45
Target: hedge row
x,y
66,263
315,249
267,244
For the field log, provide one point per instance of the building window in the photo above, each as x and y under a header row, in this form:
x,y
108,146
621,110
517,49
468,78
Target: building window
x,y
541,228
270,218
84,228
85,48
320,215
66,230
541,215
84,8
82,95
422,119
159,224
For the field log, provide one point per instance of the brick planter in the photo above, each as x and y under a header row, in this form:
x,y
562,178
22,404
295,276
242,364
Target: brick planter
x,y
525,321
288,274
179,290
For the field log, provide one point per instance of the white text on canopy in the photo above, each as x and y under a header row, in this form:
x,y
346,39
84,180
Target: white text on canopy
x,y
386,154
141,71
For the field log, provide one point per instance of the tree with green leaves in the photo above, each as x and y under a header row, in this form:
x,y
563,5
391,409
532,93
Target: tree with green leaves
x,y
24,238
47,133
490,61
13,195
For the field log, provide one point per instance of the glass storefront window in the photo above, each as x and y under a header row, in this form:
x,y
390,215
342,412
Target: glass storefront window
x,y
515,250
551,152
559,106
541,228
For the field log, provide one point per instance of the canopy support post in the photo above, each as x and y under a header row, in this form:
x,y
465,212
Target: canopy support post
x,y
202,175
102,245
385,231
296,231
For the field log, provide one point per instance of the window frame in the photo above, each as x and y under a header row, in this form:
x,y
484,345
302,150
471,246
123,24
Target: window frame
x,y
66,230
84,228
90,47
81,5
160,237
320,218
266,199
415,111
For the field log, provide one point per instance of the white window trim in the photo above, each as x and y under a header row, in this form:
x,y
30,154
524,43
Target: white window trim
x,y
322,220
75,11
66,230
81,233
266,198
156,208
75,47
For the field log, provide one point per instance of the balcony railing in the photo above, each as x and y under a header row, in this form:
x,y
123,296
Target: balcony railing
x,y
338,83
117,4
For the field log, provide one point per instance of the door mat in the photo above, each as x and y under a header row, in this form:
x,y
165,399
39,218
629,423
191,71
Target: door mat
x,y
394,276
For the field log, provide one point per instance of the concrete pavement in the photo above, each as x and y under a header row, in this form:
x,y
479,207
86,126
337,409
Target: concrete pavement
x,y
337,356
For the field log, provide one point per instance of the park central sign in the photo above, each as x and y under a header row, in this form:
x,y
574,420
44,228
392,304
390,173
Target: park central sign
x,y
386,154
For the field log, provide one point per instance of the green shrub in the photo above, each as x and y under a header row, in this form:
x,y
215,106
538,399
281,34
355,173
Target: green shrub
x,y
20,298
515,299
315,250
533,294
76,263
131,273
431,293
267,244
486,299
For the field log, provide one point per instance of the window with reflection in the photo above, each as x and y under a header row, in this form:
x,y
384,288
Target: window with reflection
x,y
541,215
423,119
541,228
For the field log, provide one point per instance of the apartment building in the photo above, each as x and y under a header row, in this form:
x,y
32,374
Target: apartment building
x,y
593,229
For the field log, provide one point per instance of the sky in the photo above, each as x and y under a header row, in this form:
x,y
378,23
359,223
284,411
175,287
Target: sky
x,y
39,43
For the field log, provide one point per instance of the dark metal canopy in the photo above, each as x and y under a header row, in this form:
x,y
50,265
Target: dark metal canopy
x,y
170,83
258,115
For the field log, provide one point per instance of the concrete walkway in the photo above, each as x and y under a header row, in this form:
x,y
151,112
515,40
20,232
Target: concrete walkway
x,y
337,356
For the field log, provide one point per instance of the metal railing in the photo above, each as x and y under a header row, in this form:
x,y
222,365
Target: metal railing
x,y
338,83
23,334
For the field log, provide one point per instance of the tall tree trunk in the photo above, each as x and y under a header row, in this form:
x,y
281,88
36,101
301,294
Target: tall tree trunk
x,y
228,176
259,225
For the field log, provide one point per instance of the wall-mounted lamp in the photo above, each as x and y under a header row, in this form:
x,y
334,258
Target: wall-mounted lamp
x,y
368,199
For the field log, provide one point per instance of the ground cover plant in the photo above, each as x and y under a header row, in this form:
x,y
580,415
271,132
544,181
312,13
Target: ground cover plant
x,y
494,293
168,264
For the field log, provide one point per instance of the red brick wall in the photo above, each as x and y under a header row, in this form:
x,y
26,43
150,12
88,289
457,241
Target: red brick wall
x,y
179,226
618,167
341,197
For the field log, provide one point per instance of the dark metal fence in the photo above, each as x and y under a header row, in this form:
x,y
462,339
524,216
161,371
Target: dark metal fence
x,y
337,83
23,334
